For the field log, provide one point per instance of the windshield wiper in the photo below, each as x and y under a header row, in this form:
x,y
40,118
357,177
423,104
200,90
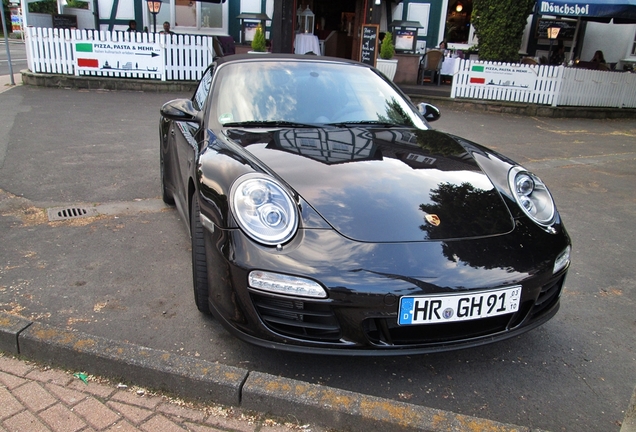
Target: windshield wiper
x,y
268,123
365,122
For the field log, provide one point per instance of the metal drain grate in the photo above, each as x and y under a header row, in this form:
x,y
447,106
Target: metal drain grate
x,y
65,213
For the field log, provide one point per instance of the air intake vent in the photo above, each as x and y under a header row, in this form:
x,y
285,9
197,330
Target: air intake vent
x,y
298,318
65,213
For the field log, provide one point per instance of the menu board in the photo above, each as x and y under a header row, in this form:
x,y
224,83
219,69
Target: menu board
x,y
567,28
369,45
64,21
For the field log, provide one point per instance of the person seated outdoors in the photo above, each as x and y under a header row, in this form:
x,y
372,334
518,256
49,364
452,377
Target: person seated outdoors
x,y
557,58
132,26
166,28
599,61
598,57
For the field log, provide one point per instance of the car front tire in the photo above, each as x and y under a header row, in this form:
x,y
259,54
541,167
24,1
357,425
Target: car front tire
x,y
199,259
165,194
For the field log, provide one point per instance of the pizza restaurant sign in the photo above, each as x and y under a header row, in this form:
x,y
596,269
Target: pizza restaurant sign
x,y
122,57
576,9
503,77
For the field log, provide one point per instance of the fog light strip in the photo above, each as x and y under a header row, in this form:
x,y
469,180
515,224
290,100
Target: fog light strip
x,y
285,284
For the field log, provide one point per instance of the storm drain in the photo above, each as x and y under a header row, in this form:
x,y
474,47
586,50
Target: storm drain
x,y
65,213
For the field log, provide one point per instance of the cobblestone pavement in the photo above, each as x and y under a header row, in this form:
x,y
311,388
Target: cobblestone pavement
x,y
36,398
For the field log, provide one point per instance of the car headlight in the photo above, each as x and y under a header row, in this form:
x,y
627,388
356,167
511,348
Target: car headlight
x,y
532,195
263,209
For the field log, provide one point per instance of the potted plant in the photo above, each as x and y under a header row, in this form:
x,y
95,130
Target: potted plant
x,y
258,43
386,64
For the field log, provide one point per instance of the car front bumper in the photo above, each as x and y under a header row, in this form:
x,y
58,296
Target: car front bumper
x,y
365,281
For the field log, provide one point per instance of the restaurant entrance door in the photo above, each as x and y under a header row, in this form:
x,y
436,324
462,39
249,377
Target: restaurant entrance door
x,y
458,18
337,24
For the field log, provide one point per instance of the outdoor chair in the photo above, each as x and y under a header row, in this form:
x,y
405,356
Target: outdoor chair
x,y
528,61
431,63
226,44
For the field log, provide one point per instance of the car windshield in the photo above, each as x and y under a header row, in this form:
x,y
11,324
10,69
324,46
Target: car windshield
x,y
306,93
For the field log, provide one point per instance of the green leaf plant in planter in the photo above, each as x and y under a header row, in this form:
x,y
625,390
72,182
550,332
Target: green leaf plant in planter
x,y
386,64
258,43
387,50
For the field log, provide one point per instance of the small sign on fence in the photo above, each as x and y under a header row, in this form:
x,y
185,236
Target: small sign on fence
x,y
119,57
507,82
508,76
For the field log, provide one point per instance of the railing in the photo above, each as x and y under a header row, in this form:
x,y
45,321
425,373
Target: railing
x,y
51,51
542,84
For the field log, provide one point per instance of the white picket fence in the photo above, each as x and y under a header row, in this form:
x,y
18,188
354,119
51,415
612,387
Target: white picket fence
x,y
51,51
187,56
582,87
554,85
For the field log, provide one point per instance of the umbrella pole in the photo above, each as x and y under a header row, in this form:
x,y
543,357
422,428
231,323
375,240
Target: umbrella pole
x,y
576,35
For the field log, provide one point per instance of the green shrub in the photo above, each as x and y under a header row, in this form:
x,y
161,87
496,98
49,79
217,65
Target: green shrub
x,y
387,50
44,6
499,25
258,43
79,4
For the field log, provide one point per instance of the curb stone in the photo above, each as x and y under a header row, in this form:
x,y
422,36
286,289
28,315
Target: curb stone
x,y
186,376
212,382
353,411
629,424
10,327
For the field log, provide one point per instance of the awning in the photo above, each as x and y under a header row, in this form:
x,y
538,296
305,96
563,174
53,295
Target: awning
x,y
621,11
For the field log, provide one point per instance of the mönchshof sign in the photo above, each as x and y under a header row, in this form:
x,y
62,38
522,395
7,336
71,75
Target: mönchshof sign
x,y
110,58
590,9
565,9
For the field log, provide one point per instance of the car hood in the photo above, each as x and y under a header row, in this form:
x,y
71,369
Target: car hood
x,y
384,184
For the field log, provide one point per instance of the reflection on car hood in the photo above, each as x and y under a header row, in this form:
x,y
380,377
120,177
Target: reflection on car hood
x,y
384,184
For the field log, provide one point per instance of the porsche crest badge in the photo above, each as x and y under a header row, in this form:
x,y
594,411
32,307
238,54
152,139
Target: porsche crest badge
x,y
433,219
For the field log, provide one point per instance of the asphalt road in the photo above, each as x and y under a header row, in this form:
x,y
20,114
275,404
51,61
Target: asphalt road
x,y
17,51
126,275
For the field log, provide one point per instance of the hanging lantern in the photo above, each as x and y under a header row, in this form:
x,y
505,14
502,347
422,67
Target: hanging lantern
x,y
307,21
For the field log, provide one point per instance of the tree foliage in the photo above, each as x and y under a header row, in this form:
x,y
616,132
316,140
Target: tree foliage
x,y
44,6
79,4
499,25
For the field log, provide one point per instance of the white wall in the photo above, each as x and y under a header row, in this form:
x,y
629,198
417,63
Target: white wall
x,y
615,40
39,20
85,17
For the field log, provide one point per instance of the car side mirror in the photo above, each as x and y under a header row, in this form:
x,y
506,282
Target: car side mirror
x,y
428,111
181,110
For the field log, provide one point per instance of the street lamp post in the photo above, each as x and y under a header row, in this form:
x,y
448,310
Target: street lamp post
x,y
553,33
6,42
154,6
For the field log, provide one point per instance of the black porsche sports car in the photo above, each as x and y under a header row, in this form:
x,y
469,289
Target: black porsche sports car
x,y
327,216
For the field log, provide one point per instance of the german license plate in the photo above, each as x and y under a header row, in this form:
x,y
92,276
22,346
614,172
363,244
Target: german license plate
x,y
458,307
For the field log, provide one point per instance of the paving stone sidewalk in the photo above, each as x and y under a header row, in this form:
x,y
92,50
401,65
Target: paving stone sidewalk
x,y
36,398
